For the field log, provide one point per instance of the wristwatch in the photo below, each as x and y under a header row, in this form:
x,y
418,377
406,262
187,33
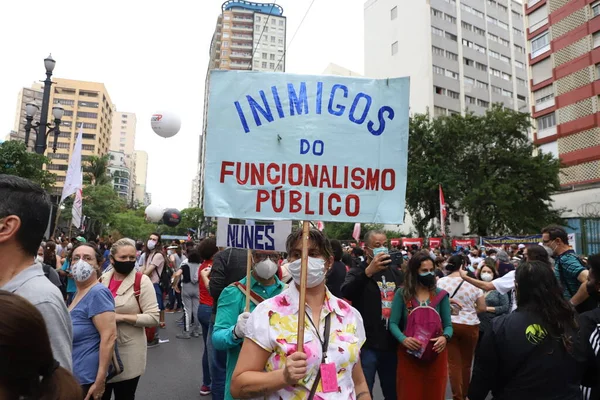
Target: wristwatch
x,y
447,337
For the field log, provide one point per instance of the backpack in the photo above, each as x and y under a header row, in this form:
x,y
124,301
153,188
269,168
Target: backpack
x,y
424,323
164,279
137,290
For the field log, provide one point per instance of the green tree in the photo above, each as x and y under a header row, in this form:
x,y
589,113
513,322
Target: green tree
x,y
16,160
488,169
339,230
131,224
96,170
101,204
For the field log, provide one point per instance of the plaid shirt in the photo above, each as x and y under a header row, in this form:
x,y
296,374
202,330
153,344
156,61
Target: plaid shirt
x,y
567,268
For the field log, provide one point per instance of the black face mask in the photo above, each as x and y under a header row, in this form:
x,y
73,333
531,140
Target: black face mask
x,y
427,280
124,267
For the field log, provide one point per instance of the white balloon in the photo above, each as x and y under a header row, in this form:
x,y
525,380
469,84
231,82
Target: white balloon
x,y
154,213
165,124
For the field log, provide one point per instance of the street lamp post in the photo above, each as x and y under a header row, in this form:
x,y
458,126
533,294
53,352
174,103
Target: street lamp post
x,y
57,112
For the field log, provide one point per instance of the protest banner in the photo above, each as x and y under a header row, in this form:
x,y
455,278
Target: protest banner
x,y
268,235
435,243
463,242
299,147
395,242
572,241
410,241
498,241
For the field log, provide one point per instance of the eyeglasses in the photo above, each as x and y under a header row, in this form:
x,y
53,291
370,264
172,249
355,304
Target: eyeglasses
x,y
85,258
263,257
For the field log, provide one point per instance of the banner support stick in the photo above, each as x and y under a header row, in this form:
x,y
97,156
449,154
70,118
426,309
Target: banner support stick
x,y
303,279
248,279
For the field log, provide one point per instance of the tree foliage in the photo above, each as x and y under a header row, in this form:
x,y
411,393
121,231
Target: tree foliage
x,y
16,160
191,218
488,169
96,170
131,224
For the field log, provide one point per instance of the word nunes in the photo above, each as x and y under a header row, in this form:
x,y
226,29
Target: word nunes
x,y
359,108
256,237
318,176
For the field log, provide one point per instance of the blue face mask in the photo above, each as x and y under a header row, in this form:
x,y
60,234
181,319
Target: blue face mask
x,y
378,250
470,268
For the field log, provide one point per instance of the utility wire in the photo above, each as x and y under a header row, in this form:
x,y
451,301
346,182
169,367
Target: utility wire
x,y
261,34
294,36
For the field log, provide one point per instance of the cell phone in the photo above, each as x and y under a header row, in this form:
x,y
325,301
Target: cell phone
x,y
396,258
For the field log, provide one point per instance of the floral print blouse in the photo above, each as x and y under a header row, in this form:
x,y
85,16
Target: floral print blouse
x,y
273,326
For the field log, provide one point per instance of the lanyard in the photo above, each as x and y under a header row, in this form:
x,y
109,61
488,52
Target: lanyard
x,y
324,343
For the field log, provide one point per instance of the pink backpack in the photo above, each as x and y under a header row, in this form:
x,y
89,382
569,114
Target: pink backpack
x,y
424,323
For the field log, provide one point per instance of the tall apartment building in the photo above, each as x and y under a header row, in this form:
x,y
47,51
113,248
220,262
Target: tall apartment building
x,y
26,95
249,37
141,196
123,135
86,104
121,175
564,58
459,54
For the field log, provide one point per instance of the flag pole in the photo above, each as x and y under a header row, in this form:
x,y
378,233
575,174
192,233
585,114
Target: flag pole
x,y
248,279
303,280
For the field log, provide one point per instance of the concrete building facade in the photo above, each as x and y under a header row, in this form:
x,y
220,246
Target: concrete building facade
x,y
460,54
121,175
26,95
564,60
248,36
141,196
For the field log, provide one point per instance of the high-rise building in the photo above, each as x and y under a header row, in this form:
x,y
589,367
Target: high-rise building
x,y
338,70
86,104
564,60
123,135
460,54
121,175
26,95
141,174
248,36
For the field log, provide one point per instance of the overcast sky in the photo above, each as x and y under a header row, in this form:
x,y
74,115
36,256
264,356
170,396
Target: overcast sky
x,y
152,55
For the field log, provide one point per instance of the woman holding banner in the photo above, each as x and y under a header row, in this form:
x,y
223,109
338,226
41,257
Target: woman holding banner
x,y
270,366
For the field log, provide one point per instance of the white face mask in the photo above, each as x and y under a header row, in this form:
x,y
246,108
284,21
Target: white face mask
x,y
39,259
266,269
151,244
69,246
487,277
315,272
82,271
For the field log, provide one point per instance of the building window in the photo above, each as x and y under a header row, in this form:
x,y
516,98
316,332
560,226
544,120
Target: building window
x,y
505,59
522,82
503,25
264,56
89,125
257,18
437,51
451,74
502,8
495,72
483,103
394,48
439,111
438,70
273,39
452,94
272,57
90,136
516,14
496,89
89,104
436,13
225,34
506,93
437,31
82,114
596,39
468,62
451,55
480,66
595,9
518,31
492,37
280,41
451,36
469,81
519,64
481,85
519,49
506,76
479,31
272,66
264,64
541,43
450,19
280,22
543,95
64,102
467,26
494,54
491,20
439,90
520,97
470,100
273,22
546,122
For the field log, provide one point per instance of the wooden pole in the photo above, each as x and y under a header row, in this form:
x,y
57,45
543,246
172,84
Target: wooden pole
x,y
70,228
303,279
248,279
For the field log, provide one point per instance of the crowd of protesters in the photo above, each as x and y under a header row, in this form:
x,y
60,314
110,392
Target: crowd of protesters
x,y
79,315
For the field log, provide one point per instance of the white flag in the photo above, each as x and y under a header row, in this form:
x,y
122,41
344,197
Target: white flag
x,y
74,179
356,232
77,210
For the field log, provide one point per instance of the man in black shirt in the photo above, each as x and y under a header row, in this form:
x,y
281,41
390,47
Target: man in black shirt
x,y
370,287
337,272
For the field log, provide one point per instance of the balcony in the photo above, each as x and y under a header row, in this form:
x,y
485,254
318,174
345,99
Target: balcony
x,y
238,55
242,28
240,46
243,20
240,65
242,37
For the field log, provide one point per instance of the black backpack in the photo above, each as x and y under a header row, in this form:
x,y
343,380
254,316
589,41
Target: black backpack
x,y
166,275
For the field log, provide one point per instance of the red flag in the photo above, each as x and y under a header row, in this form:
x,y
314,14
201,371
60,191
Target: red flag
x,y
356,232
443,212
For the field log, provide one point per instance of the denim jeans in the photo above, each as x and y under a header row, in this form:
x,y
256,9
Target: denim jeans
x,y
218,367
383,363
204,313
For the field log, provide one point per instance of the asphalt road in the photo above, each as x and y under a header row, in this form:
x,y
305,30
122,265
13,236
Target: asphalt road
x,y
174,369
